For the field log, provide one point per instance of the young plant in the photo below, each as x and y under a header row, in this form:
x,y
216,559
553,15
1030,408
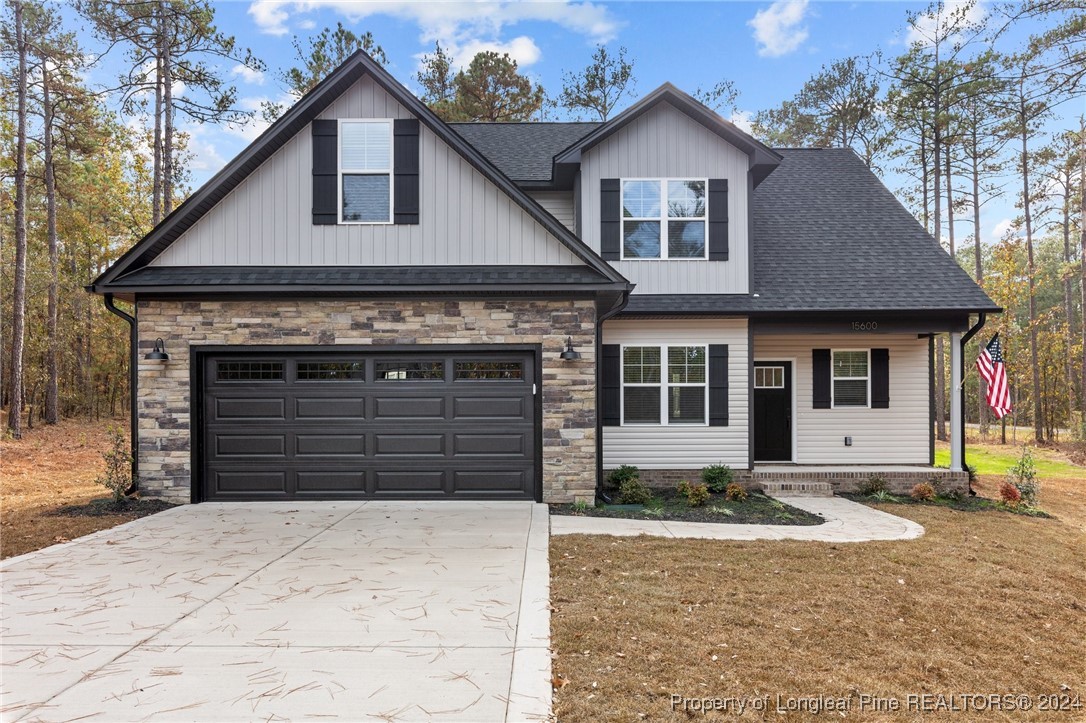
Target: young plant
x,y
580,507
722,510
717,477
923,492
1023,475
617,476
118,473
683,489
698,495
735,493
873,485
634,492
1010,495
884,496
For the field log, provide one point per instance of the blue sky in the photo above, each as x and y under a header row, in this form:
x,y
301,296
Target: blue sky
x,y
767,49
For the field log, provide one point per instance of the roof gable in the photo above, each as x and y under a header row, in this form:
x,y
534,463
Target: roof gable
x,y
295,121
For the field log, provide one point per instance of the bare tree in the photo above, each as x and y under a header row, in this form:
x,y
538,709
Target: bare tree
x,y
18,314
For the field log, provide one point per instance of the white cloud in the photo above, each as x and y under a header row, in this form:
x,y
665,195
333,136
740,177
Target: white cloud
x,y
779,29
742,120
205,156
521,49
256,125
249,75
1001,229
928,26
455,20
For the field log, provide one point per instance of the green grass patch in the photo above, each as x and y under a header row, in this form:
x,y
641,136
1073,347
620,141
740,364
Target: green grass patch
x,y
994,460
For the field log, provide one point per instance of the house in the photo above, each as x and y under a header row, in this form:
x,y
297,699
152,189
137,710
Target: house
x,y
371,303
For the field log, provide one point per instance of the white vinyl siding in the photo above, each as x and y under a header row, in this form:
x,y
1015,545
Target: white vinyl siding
x,y
898,435
683,446
666,143
464,219
558,204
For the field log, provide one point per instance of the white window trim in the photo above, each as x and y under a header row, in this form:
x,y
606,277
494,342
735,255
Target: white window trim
x,y
833,393
340,171
663,218
662,385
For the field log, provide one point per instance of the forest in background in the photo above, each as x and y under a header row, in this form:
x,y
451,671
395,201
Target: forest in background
x,y
960,118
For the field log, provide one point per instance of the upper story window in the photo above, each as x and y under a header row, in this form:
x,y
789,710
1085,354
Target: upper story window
x,y
851,378
663,218
365,171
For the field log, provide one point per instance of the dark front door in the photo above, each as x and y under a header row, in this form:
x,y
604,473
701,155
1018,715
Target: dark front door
x,y
772,411
337,425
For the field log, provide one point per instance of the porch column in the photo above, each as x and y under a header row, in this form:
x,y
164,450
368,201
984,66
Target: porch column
x,y
956,420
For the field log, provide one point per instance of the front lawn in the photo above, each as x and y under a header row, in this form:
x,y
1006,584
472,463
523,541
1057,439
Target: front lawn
x,y
986,603
756,509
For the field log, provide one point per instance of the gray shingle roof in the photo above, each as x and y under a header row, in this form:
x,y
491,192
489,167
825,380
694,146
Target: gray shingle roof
x,y
523,151
370,276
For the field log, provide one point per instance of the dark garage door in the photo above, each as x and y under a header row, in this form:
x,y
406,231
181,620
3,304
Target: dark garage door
x,y
326,425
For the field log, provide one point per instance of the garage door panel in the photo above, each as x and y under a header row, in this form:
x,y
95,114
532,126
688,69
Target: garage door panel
x,y
319,424
322,445
335,408
412,445
250,445
318,482
239,408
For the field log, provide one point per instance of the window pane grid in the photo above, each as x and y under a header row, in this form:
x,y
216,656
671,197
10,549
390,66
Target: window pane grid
x,y
769,377
850,378
664,384
489,370
664,219
407,371
331,371
365,171
269,371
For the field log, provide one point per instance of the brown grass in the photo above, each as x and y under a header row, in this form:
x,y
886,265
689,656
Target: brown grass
x,y
985,602
48,468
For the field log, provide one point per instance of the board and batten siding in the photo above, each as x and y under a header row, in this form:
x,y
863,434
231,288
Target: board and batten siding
x,y
558,204
898,435
464,219
684,446
665,142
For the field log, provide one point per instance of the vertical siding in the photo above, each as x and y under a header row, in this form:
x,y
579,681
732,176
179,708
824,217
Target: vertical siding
x,y
684,447
464,219
559,204
898,435
664,142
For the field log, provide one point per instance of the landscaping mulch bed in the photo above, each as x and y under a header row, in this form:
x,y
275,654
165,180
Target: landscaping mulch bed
x,y
757,509
128,508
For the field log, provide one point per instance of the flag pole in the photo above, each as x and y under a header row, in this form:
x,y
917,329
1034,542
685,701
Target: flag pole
x,y
973,331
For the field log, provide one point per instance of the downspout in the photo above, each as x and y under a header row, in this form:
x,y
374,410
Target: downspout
x,y
965,339
617,307
133,376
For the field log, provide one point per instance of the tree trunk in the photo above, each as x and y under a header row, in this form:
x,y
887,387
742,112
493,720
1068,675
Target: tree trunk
x,y
1068,294
18,312
168,129
978,265
52,374
1082,257
1023,118
156,184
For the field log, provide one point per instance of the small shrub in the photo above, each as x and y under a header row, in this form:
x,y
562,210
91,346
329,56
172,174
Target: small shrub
x,y
872,485
884,496
923,492
953,494
717,477
972,470
1009,494
722,510
617,476
683,489
1023,475
580,506
698,495
734,493
634,492
118,475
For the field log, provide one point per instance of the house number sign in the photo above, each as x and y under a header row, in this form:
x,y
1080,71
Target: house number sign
x,y
865,326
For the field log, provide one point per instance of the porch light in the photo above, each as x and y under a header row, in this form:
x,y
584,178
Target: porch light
x,y
158,354
570,354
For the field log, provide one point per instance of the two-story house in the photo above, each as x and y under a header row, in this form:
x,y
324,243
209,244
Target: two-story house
x,y
369,302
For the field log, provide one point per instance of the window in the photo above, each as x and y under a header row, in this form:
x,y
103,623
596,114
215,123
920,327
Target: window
x,y
365,171
480,370
331,371
270,371
851,378
410,371
769,377
664,384
663,219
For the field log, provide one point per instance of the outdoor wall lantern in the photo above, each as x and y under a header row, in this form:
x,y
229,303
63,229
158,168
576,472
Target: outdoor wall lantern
x,y
158,354
570,354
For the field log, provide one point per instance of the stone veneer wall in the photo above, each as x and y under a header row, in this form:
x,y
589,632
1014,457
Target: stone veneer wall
x,y
569,388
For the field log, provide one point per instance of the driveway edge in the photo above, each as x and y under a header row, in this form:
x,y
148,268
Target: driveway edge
x,y
530,682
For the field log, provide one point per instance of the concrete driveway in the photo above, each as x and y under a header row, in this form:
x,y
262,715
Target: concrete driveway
x,y
286,611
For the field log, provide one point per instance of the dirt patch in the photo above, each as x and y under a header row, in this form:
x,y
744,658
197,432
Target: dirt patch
x,y
992,603
131,509
53,467
757,509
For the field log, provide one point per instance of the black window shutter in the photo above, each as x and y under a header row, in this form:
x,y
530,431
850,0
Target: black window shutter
x,y
325,172
405,174
880,378
611,386
820,383
610,219
718,219
718,385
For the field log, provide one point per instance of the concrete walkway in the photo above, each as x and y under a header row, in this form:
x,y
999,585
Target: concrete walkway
x,y
285,611
846,521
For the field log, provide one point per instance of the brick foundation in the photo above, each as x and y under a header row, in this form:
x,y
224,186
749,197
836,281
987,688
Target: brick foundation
x,y
569,387
842,480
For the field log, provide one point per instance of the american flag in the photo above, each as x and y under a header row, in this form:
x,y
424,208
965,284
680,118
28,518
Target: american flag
x,y
991,367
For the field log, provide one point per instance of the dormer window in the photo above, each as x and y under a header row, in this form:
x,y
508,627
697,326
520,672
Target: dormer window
x,y
365,171
664,218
